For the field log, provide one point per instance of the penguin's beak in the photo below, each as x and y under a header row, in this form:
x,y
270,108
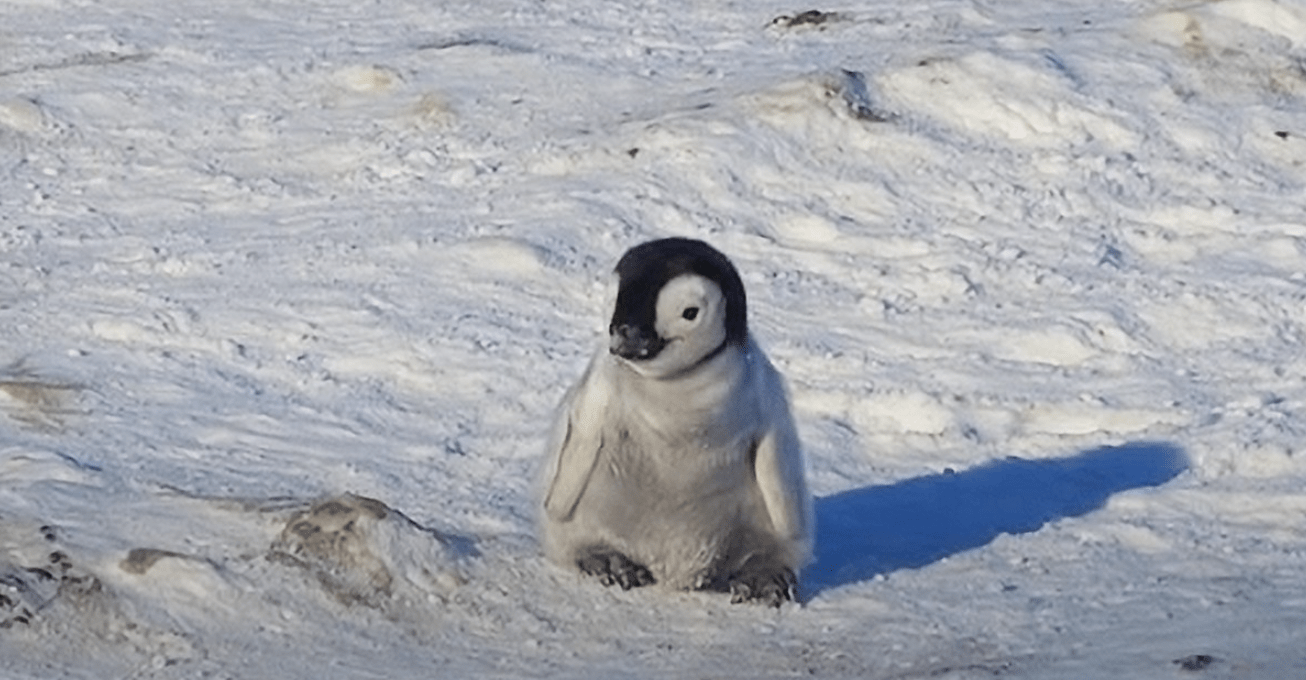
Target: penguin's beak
x,y
633,343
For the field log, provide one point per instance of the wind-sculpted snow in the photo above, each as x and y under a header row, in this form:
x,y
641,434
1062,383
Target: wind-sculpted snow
x,y
1033,271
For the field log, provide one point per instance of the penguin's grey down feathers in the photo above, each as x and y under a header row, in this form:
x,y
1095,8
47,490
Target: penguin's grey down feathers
x,y
676,450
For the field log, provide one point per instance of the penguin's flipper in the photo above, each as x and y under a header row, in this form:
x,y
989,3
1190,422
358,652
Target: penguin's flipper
x,y
577,443
779,471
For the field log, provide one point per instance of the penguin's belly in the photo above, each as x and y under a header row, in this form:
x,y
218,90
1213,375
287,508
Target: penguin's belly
x,y
678,509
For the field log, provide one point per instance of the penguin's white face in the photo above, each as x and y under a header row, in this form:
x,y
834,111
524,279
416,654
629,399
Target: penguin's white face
x,y
690,321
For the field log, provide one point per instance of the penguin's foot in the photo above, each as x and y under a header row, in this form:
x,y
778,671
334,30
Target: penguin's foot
x,y
764,582
613,568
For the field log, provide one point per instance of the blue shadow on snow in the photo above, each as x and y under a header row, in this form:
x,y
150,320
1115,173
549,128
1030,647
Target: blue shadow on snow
x,y
878,529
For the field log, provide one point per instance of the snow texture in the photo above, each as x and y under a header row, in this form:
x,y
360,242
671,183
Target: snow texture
x,y
289,292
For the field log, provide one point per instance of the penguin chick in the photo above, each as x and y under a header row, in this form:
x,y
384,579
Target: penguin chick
x,y
674,460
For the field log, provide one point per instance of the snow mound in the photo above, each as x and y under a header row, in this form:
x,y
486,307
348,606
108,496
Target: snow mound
x,y
35,400
47,596
363,552
30,574
137,590
22,115
1000,98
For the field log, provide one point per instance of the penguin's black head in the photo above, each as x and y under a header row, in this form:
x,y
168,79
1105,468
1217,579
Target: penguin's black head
x,y
677,296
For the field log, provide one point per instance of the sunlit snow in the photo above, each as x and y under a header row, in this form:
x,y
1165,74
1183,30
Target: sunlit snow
x,y
289,291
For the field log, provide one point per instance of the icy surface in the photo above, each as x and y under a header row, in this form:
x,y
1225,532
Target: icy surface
x,y
1035,272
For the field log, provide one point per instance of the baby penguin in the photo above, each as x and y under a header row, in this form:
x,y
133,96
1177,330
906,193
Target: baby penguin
x,y
674,459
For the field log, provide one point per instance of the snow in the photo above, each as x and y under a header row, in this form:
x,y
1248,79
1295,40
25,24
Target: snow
x,y
1035,273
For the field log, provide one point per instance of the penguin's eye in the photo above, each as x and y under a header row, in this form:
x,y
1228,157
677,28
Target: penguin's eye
x,y
690,313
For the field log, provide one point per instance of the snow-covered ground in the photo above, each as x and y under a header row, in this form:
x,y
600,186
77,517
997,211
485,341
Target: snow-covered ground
x,y
1035,271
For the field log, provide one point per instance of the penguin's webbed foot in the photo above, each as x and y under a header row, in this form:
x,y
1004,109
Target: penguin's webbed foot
x,y
613,568
764,582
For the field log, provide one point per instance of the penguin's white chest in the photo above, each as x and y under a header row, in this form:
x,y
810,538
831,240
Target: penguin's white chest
x,y
701,425
697,459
